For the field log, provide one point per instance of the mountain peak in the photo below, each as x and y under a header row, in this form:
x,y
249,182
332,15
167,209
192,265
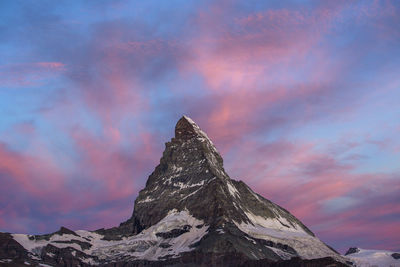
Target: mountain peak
x,y
186,128
190,210
191,179
188,132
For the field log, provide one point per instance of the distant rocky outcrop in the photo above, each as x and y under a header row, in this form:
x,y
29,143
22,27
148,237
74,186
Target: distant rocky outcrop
x,y
396,256
352,251
372,257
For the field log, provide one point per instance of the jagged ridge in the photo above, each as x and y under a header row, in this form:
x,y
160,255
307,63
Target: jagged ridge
x,y
189,207
191,177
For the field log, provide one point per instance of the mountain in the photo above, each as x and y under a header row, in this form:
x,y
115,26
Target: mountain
x,y
189,213
368,257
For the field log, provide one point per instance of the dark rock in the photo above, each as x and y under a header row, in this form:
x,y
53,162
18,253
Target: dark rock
x,y
327,262
396,256
11,249
65,231
64,256
62,231
280,246
174,232
164,245
352,251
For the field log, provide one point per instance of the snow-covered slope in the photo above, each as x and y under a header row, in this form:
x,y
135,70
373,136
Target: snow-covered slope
x,y
168,238
377,258
306,245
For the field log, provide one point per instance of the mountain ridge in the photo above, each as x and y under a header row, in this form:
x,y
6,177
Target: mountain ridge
x,y
190,212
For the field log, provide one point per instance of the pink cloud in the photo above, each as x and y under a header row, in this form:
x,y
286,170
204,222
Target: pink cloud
x,y
304,181
28,172
113,170
29,74
104,178
240,57
51,65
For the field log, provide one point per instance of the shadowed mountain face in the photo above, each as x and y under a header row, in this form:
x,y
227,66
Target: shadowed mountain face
x,y
191,176
190,212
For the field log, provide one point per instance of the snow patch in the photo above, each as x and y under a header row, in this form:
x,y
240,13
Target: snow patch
x,y
369,258
278,224
307,246
146,245
147,199
282,254
191,194
186,185
256,196
232,190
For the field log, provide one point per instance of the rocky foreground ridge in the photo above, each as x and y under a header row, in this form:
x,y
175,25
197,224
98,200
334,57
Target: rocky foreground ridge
x,y
190,213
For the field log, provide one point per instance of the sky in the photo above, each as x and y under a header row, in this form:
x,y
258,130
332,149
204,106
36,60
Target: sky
x,y
302,99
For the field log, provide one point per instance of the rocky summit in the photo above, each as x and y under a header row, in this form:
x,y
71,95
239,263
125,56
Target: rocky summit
x,y
189,213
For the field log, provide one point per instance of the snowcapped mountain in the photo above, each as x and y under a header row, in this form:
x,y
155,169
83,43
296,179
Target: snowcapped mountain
x,y
189,213
377,258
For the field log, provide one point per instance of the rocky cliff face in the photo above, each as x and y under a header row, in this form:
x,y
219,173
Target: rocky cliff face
x,y
191,177
190,212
